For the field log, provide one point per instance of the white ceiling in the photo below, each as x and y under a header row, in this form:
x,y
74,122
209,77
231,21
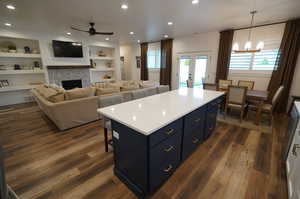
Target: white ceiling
x,y
147,18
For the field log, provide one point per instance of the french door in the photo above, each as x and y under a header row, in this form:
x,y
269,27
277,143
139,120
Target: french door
x,y
192,67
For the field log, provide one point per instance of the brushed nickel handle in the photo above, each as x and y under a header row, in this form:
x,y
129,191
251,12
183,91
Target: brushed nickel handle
x,y
198,120
295,147
195,140
169,132
167,170
169,149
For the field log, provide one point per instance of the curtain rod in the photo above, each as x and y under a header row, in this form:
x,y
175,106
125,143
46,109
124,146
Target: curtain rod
x,y
268,24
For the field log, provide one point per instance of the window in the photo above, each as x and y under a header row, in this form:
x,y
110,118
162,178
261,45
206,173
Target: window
x,y
263,60
153,55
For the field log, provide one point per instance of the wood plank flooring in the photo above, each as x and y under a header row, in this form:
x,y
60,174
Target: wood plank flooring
x,y
42,162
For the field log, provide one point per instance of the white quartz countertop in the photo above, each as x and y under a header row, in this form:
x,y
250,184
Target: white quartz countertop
x,y
146,115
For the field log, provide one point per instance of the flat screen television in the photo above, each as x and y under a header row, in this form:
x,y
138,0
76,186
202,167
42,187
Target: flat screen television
x,y
67,49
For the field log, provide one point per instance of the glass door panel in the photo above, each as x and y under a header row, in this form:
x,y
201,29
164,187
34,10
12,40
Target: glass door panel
x,y
184,70
200,70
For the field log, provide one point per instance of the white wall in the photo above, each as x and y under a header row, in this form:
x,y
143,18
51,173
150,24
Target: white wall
x,y
204,43
130,52
271,35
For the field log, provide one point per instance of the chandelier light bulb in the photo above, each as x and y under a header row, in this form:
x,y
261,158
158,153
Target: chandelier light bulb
x,y
248,45
235,47
260,45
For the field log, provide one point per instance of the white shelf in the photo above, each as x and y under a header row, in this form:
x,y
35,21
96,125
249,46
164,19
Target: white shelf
x,y
20,72
102,58
16,88
102,70
20,55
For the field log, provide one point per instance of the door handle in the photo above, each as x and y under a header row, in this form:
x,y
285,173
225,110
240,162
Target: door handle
x,y
169,149
295,147
167,170
195,140
170,131
198,120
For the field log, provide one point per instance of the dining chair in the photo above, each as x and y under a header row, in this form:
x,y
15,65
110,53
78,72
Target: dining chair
x,y
190,83
105,101
223,84
268,108
236,99
248,84
208,86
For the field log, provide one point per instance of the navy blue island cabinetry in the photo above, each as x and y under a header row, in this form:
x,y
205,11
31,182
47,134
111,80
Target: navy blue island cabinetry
x,y
152,136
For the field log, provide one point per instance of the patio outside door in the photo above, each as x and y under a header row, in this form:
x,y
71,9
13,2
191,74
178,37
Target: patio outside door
x,y
194,67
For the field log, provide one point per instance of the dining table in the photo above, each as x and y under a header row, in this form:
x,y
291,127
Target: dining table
x,y
260,97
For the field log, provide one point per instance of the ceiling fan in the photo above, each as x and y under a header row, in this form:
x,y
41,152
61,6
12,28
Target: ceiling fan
x,y
92,31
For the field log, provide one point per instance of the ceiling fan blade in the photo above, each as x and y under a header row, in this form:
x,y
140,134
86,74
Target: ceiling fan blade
x,y
78,29
104,33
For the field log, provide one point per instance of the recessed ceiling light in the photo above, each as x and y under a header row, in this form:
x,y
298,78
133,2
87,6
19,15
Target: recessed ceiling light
x,y
139,41
7,24
124,6
11,7
170,23
68,33
107,39
166,36
195,1
131,33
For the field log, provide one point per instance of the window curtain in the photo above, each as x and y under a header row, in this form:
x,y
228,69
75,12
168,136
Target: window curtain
x,y
144,67
225,46
166,62
286,63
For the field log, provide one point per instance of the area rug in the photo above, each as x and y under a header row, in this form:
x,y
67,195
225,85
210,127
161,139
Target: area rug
x,y
234,119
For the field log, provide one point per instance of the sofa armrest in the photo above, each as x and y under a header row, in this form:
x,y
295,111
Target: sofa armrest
x,y
68,114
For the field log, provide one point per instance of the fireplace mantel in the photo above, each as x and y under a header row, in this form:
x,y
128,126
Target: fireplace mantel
x,y
70,67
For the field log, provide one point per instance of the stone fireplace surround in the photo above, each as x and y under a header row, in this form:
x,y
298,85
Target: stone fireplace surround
x,y
57,74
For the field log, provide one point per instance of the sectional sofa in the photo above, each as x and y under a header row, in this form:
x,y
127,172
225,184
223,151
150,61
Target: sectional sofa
x,y
71,108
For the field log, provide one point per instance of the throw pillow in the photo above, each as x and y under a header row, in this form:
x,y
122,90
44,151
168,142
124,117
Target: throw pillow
x,y
77,93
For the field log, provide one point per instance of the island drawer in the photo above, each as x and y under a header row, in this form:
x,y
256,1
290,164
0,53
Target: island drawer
x,y
195,120
211,120
165,132
190,143
160,173
169,148
215,103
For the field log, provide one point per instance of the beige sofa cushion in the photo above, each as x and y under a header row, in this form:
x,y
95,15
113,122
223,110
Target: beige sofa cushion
x,y
107,91
51,94
77,93
130,85
148,84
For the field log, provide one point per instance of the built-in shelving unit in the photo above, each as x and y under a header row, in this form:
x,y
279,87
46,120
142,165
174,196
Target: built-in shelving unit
x,y
20,81
20,55
102,65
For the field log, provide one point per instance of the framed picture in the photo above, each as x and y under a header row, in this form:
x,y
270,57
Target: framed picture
x,y
138,61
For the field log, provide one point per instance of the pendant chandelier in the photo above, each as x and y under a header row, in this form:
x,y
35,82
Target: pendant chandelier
x,y
248,44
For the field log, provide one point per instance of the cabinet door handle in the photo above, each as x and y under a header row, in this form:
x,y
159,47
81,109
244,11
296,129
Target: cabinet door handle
x,y
295,147
195,140
167,170
169,149
198,120
169,132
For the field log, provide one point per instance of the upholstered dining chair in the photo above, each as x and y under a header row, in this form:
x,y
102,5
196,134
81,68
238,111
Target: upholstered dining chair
x,y
106,124
269,108
248,84
236,99
223,84
137,94
208,86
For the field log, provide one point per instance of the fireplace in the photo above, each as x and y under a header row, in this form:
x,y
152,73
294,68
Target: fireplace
x,y
70,84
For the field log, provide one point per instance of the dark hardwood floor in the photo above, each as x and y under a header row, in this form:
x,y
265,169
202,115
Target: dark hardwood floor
x,y
42,162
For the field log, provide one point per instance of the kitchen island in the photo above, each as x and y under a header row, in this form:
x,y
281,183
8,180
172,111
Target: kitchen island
x,y
153,135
